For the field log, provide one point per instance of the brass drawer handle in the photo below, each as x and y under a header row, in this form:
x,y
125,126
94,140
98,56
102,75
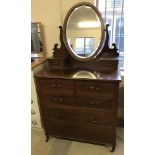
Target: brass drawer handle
x,y
59,85
59,115
55,63
31,101
94,88
34,122
58,100
56,85
97,88
94,103
93,121
33,112
53,85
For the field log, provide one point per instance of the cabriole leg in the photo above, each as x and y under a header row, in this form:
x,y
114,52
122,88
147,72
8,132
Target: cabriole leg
x,y
113,148
47,137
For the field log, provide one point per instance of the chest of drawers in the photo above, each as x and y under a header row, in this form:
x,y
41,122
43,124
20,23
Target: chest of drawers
x,y
79,109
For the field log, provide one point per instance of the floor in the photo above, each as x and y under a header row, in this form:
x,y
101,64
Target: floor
x,y
66,147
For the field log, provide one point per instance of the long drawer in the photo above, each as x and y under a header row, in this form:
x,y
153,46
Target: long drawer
x,y
96,88
78,114
85,132
52,86
85,101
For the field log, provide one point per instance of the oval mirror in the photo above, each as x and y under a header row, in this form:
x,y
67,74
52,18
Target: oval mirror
x,y
83,31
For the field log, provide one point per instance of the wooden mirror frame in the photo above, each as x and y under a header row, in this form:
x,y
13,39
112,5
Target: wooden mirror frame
x,y
92,56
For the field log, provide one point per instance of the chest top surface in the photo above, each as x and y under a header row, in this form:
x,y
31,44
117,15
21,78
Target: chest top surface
x,y
81,75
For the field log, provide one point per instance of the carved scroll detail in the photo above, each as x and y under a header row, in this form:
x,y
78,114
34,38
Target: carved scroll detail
x,y
106,49
61,52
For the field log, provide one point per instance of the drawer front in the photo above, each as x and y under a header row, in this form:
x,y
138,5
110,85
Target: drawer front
x,y
96,102
78,115
55,63
72,130
97,88
52,86
79,101
57,99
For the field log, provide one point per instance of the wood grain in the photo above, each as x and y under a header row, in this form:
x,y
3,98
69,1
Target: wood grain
x,y
38,61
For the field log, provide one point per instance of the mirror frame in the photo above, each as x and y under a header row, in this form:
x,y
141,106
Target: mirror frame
x,y
102,32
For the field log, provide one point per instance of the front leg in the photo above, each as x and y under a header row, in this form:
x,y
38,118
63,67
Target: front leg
x,y
47,137
113,147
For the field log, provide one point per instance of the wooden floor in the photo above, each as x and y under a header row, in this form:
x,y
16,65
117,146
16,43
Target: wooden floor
x,y
66,147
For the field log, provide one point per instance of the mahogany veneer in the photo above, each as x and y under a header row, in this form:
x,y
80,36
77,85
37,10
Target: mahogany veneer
x,y
79,109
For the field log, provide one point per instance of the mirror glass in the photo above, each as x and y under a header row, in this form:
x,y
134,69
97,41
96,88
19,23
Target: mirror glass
x,y
83,31
36,39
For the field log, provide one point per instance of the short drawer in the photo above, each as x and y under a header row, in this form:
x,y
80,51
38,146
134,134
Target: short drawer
x,y
57,99
78,115
97,88
106,104
55,64
52,86
72,130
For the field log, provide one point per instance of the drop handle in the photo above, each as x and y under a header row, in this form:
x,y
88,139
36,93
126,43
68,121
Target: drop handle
x,y
97,88
93,120
59,114
94,88
58,99
94,103
55,63
53,85
58,85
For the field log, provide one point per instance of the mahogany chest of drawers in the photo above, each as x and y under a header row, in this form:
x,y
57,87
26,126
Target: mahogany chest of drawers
x,y
83,109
